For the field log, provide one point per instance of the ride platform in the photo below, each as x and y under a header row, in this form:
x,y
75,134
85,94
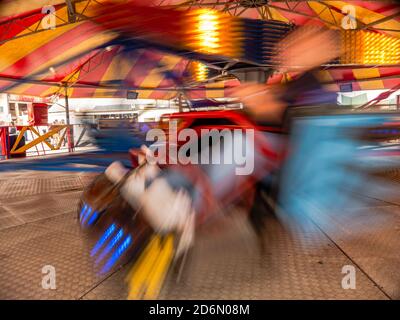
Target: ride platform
x,y
38,227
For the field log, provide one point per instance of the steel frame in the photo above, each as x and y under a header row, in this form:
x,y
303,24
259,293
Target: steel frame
x,y
74,16
40,138
234,8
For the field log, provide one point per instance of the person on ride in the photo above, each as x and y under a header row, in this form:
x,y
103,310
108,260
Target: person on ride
x,y
300,54
170,198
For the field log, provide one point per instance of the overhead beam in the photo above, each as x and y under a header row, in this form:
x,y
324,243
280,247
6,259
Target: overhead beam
x,y
105,85
10,8
74,16
71,11
379,21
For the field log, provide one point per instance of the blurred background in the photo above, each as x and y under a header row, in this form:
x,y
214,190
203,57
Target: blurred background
x,y
83,82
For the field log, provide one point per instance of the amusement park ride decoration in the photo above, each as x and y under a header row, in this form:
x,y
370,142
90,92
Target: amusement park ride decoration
x,y
124,232
201,34
219,41
361,47
240,20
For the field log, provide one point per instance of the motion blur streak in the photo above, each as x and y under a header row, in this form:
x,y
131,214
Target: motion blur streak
x,y
103,239
331,164
110,246
117,254
148,274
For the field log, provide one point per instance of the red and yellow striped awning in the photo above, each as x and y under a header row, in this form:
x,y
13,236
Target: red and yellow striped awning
x,y
361,78
80,56
370,14
377,16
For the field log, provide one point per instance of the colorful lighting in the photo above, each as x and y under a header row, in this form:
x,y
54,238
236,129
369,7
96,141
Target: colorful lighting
x,y
199,71
117,254
208,27
86,216
93,218
110,246
103,239
213,32
83,212
369,48
201,30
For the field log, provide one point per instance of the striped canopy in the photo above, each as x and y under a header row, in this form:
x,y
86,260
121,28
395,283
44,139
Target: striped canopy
x,y
379,15
360,78
82,60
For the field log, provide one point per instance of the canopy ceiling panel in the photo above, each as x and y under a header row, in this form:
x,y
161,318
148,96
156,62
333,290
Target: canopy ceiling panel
x,y
82,60
376,16
80,57
360,78
371,15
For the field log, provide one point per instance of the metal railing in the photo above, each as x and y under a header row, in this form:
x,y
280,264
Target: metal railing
x,y
30,141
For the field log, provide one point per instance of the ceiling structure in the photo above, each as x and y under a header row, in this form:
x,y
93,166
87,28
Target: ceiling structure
x,y
79,59
382,16
82,60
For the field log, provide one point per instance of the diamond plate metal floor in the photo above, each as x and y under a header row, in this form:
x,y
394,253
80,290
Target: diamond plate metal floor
x,y
38,227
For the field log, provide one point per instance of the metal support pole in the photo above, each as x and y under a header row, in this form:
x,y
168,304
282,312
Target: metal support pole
x,y
180,103
8,146
259,75
71,11
4,143
70,129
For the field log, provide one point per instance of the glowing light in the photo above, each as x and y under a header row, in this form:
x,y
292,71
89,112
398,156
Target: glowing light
x,y
103,239
112,243
117,254
83,211
365,47
208,28
86,216
199,71
93,218
212,32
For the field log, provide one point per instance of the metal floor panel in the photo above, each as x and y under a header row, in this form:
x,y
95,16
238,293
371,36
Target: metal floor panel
x,y
374,247
229,266
21,210
11,237
9,222
304,267
38,227
8,219
22,188
21,274
23,185
67,223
